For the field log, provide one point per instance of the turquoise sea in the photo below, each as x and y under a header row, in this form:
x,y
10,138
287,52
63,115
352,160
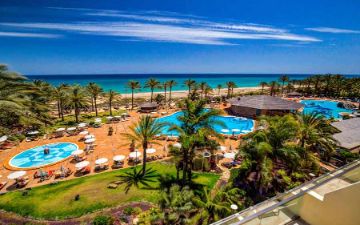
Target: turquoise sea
x,y
118,82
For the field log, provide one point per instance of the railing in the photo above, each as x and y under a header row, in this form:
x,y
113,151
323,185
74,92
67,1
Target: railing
x,y
273,206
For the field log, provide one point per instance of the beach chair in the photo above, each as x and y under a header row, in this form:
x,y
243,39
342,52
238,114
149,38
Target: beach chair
x,y
3,184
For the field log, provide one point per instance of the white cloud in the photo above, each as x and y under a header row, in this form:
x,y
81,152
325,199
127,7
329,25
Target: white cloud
x,y
28,35
163,26
333,30
160,32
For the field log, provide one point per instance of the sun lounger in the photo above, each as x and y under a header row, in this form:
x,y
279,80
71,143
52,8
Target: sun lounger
x,y
3,184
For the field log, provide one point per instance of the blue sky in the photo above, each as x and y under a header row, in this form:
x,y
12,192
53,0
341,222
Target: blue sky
x,y
217,36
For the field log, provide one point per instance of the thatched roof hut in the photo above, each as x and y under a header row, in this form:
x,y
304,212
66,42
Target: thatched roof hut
x,y
256,105
148,107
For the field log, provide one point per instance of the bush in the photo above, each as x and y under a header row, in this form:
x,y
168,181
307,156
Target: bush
x,y
103,220
129,211
137,211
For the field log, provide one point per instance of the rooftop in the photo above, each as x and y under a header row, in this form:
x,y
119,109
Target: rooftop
x,y
265,102
349,137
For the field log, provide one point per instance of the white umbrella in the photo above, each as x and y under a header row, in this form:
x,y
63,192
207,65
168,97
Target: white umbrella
x,y
124,114
89,141
134,154
224,130
33,132
117,117
3,138
222,148
77,152
71,129
101,161
16,175
60,129
233,206
235,130
89,136
153,112
82,125
150,150
97,120
109,117
229,155
82,164
119,158
177,145
85,132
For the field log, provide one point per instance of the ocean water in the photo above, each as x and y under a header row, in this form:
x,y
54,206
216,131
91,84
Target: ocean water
x,y
118,82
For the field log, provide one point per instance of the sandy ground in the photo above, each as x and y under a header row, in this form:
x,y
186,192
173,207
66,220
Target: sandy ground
x,y
181,94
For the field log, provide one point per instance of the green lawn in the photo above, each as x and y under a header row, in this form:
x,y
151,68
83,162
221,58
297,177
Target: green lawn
x,y
56,201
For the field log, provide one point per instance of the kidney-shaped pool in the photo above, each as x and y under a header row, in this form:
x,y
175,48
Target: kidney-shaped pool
x,y
36,157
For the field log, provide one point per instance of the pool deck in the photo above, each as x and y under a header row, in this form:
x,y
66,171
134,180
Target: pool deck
x,y
107,146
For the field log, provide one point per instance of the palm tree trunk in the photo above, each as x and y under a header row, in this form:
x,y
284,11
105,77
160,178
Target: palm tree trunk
x,y
76,115
96,111
165,94
152,92
185,165
170,94
132,99
62,111
262,89
144,158
110,108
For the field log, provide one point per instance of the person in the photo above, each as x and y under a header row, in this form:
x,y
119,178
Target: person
x,y
46,150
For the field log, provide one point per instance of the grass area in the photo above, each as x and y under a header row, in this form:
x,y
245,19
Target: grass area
x,y
57,201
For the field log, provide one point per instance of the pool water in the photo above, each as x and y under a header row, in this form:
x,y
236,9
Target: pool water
x,y
231,122
35,157
327,108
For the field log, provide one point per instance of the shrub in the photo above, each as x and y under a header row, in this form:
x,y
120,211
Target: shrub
x,y
128,211
137,211
103,220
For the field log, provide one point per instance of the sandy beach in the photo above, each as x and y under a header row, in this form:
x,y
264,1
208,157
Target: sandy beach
x,y
181,94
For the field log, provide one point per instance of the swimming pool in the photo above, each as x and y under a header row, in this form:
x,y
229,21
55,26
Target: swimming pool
x,y
327,108
231,122
35,157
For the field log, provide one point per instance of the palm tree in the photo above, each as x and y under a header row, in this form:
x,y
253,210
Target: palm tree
x,y
135,178
197,124
230,86
190,83
152,83
165,85
273,87
208,90
77,100
94,90
171,84
133,85
211,209
60,95
144,133
316,134
263,84
112,96
219,86
203,85
283,79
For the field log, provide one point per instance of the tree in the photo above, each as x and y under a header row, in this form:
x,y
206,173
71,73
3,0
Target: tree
x,y
190,84
112,96
197,124
263,84
230,86
171,84
133,85
94,90
165,86
77,100
135,178
152,84
273,87
283,79
143,133
60,94
219,86
203,85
